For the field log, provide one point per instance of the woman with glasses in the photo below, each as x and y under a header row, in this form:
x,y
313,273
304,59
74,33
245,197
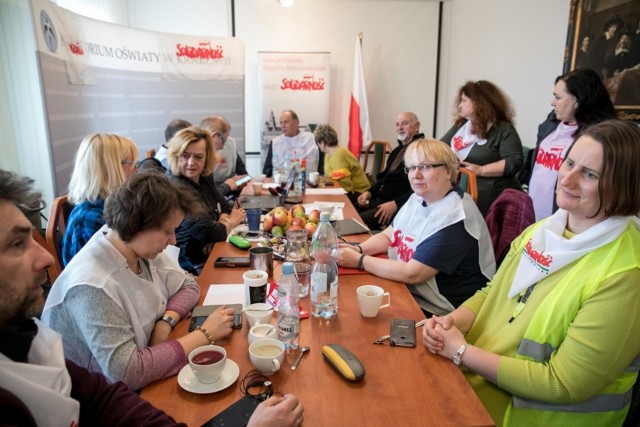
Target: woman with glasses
x,y
438,243
104,161
485,141
192,158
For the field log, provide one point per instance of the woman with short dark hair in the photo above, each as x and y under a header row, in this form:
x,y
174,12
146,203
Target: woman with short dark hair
x,y
553,339
118,299
340,164
579,99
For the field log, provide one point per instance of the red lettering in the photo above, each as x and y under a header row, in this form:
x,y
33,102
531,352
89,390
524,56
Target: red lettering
x,y
551,161
307,84
403,243
538,256
458,144
204,50
76,49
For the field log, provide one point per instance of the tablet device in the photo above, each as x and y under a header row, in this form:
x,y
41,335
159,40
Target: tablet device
x,y
237,414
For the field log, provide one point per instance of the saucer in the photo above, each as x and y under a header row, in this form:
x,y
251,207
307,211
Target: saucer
x,y
189,382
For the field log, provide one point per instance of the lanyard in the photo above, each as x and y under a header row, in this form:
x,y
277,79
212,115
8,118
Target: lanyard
x,y
522,300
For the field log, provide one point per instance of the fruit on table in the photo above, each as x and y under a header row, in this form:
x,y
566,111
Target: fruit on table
x,y
279,220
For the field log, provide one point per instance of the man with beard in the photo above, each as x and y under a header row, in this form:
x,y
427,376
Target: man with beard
x,y
37,386
392,189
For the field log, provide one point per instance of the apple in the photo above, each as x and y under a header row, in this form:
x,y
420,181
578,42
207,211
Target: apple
x,y
314,216
277,230
268,223
280,216
310,227
294,227
299,221
298,211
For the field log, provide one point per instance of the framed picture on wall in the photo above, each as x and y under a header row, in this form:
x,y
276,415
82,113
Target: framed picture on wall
x,y
604,35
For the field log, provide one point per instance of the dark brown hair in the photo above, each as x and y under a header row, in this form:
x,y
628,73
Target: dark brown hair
x,y
145,202
490,106
326,134
619,184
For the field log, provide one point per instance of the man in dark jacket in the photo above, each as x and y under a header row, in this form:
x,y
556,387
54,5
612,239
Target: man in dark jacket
x,y
392,189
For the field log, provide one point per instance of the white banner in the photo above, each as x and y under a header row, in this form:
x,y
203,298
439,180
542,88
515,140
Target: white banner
x,y
84,43
293,81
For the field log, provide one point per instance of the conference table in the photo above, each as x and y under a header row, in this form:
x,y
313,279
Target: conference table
x,y
401,386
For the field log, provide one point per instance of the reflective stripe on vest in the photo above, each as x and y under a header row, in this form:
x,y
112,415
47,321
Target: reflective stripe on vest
x,y
598,403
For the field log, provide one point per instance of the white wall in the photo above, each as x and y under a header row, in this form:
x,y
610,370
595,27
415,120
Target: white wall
x,y
516,44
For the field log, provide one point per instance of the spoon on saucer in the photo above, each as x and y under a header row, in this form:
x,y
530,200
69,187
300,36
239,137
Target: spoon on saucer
x,y
303,350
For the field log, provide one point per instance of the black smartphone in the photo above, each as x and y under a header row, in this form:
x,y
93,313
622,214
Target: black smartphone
x,y
201,312
229,262
403,332
236,414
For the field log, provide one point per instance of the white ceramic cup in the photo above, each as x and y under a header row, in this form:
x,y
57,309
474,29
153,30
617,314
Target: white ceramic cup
x,y
258,313
257,188
255,286
267,355
313,177
370,300
260,331
211,367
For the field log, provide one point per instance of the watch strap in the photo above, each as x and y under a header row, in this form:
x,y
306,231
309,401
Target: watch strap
x,y
360,262
170,320
457,358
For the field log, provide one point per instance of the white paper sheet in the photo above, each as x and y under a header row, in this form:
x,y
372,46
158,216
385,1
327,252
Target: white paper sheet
x,y
336,191
225,294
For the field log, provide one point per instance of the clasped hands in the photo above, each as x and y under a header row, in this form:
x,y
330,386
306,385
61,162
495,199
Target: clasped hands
x,y
441,336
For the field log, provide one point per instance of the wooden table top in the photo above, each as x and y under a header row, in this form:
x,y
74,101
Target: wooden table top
x,y
406,386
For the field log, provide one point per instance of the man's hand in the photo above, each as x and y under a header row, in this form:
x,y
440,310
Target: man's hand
x,y
278,411
385,212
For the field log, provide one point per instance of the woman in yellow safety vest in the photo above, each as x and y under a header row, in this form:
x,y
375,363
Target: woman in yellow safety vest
x,y
553,338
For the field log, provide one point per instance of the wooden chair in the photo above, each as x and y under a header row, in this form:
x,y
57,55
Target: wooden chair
x,y
151,153
467,182
378,150
58,215
53,270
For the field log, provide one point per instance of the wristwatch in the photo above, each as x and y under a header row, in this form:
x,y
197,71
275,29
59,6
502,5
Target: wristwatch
x,y
457,358
170,320
360,266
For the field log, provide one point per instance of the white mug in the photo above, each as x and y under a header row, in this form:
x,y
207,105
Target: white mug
x,y
267,355
313,177
255,286
370,300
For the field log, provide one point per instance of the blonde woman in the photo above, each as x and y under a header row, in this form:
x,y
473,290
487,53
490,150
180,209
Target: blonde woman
x,y
103,162
192,158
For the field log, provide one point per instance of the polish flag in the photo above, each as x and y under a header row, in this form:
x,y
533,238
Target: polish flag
x,y
359,128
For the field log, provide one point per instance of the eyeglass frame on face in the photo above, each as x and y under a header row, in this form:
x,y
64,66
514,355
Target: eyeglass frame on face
x,y
128,162
422,167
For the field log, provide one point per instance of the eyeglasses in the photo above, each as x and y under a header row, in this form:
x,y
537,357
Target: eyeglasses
x,y
197,157
127,162
424,167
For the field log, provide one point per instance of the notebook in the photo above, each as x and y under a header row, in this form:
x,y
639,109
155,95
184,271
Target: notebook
x,y
269,202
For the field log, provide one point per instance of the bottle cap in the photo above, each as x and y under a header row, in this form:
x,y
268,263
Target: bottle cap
x,y
287,268
325,216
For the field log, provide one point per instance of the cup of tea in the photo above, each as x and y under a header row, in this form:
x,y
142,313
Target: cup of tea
x,y
258,313
255,285
267,355
370,300
207,363
261,331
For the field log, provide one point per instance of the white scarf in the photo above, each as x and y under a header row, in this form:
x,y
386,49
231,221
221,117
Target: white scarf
x,y
463,141
548,250
43,384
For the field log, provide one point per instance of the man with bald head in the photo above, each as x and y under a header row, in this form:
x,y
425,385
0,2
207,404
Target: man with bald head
x,y
292,144
379,205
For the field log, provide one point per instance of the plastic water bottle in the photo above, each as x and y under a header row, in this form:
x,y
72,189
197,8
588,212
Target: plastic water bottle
x,y
303,174
288,309
297,182
324,273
